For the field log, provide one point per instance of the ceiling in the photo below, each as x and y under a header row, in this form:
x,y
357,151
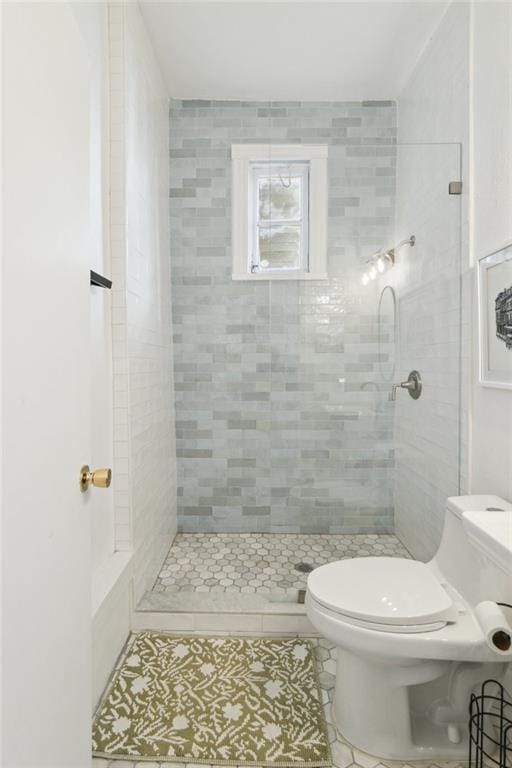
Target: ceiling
x,y
309,51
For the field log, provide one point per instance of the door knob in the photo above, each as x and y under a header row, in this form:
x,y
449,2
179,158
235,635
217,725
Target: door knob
x,y
100,478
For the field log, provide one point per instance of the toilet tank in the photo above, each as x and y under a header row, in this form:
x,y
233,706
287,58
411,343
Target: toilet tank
x,y
466,557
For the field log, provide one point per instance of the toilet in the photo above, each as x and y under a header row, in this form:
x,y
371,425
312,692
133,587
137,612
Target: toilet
x,y
412,644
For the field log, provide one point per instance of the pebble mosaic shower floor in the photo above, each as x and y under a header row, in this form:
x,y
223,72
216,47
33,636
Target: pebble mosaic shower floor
x,y
242,571
259,563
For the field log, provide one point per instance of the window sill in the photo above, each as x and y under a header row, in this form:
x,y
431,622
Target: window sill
x,y
280,276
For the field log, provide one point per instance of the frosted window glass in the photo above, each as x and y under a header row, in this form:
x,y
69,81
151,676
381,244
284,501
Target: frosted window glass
x,y
280,197
280,223
280,246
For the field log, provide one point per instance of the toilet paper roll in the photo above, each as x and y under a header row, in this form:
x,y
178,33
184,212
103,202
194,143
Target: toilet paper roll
x,y
495,627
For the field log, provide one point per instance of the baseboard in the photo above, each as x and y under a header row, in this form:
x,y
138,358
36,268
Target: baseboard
x,y
149,561
239,623
111,619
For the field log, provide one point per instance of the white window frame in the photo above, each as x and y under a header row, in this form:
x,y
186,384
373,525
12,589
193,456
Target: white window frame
x,y
244,157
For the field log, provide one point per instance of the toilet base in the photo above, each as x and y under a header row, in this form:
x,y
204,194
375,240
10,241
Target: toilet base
x,y
372,710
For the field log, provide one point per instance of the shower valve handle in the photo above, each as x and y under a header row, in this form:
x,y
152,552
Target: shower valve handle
x,y
413,385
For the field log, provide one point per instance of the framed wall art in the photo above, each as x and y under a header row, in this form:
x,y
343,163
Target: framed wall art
x,y
495,318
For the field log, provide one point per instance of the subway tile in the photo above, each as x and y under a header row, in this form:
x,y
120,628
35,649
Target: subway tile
x,y
272,359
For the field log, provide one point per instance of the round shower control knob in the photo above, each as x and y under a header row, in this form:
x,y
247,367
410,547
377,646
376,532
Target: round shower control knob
x,y
413,385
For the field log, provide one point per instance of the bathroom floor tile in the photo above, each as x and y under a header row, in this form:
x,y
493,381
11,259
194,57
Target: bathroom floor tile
x,y
244,573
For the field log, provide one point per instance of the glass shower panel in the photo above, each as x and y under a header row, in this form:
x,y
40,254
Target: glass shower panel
x,y
284,422
344,458
427,281
331,435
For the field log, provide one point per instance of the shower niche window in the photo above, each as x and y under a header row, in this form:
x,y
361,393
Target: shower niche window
x,y
279,212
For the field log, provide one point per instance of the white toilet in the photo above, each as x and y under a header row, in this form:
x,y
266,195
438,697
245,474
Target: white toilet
x,y
412,643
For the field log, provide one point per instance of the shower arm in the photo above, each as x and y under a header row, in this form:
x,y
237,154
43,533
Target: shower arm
x,y
391,253
408,241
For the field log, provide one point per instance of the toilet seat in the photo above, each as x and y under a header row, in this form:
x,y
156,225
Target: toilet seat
x,y
383,593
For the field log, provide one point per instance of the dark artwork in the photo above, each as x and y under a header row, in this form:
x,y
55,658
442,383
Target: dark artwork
x,y
504,316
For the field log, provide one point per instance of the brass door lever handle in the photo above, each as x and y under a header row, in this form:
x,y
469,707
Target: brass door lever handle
x,y
100,478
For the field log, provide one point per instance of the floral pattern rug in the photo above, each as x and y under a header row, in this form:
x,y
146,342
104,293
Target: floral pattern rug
x,y
224,700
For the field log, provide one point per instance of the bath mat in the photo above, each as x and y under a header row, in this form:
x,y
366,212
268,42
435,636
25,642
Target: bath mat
x,y
214,700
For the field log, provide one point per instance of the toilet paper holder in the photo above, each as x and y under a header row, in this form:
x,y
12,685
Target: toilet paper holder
x,y
503,640
490,727
495,626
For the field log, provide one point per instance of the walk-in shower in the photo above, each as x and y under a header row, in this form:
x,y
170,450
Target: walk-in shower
x,y
290,448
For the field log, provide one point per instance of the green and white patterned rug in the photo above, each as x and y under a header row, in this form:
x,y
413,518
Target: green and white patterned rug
x,y
223,700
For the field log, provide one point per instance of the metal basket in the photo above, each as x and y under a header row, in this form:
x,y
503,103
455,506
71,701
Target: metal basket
x,y
490,727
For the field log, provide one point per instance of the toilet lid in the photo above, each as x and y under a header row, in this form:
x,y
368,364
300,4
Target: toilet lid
x,y
382,590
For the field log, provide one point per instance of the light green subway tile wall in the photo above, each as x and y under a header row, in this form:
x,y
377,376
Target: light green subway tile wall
x,y
283,422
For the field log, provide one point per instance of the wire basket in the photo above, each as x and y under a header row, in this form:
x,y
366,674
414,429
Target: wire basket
x,y
490,727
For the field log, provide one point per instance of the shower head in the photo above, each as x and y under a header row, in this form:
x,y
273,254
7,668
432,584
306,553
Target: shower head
x,y
383,260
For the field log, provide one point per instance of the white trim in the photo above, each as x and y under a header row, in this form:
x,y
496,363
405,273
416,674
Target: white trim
x,y
111,622
262,152
316,155
240,219
288,274
106,576
318,204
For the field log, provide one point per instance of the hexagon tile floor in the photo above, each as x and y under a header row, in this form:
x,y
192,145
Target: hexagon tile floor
x,y
343,754
223,571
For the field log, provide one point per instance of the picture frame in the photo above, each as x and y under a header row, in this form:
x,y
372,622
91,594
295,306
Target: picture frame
x,y
495,318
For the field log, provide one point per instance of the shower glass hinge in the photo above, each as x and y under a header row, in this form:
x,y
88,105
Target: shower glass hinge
x,y
455,188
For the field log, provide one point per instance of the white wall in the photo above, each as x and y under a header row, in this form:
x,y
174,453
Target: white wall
x,y
491,169
93,23
128,203
144,442
427,281
132,391
46,242
433,135
110,576
461,91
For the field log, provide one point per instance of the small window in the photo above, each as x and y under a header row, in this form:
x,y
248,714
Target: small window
x,y
279,221
279,212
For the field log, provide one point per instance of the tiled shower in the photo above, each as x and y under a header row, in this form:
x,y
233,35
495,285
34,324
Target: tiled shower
x,y
287,440
282,424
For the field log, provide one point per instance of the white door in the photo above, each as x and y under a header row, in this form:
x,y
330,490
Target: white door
x,y
46,389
